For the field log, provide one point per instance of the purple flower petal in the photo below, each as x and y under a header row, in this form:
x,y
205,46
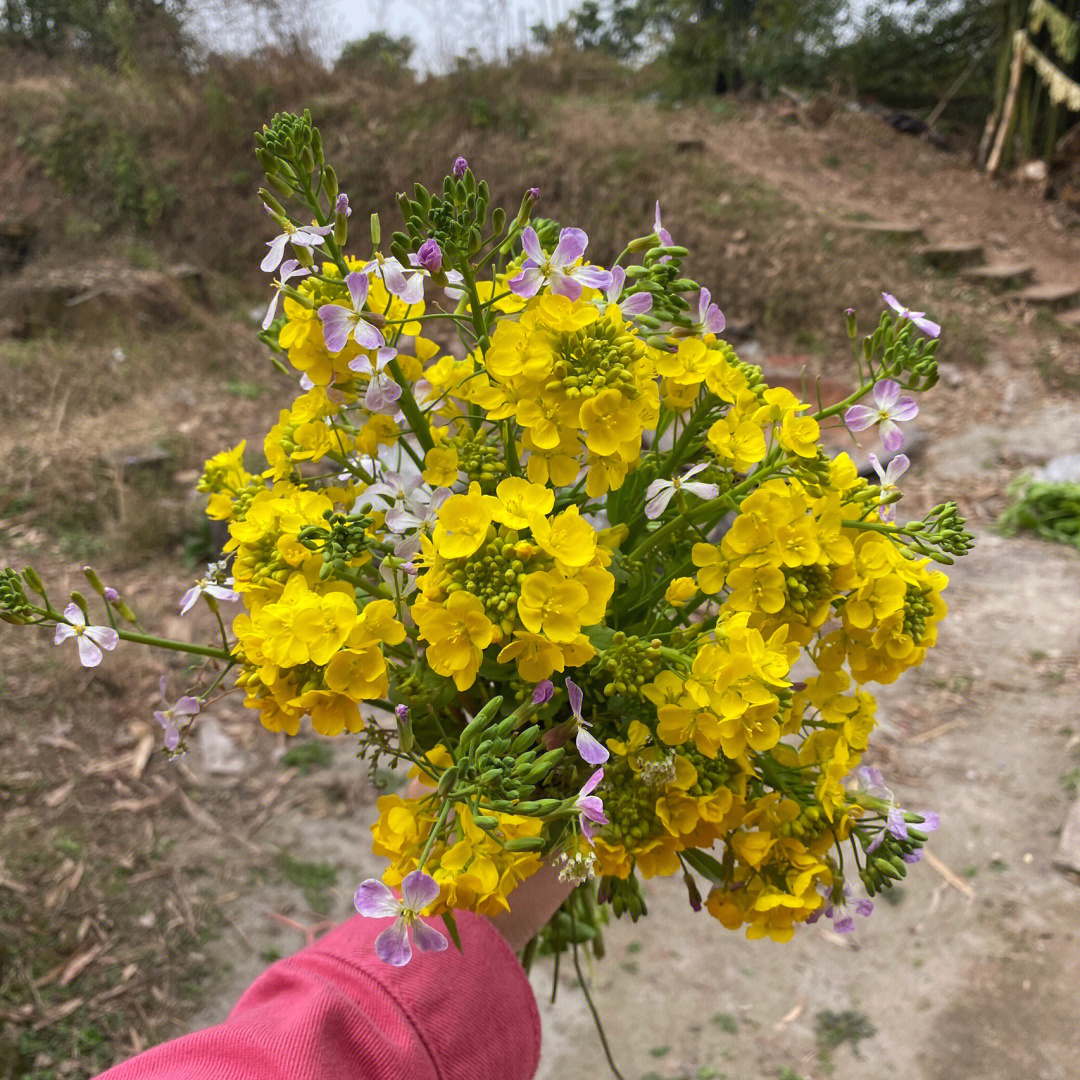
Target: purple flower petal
x,y
527,283
63,632
931,823
89,654
658,498
104,636
896,824
590,748
857,417
637,304
430,256
893,302
892,438
427,938
73,614
927,326
459,167
336,322
571,246
187,706
357,284
543,692
565,285
365,335
905,408
592,808
392,945
886,392
618,279
530,244
272,259
374,900
419,890
573,692
590,784
593,277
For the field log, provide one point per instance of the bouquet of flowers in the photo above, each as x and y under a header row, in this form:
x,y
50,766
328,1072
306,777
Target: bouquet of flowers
x,y
531,529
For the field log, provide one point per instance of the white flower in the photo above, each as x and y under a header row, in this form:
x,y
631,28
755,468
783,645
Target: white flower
x,y
660,492
90,639
208,586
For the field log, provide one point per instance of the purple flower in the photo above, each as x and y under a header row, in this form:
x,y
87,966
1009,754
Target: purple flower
x,y
543,692
635,304
418,511
341,206
869,780
590,806
408,289
843,913
340,323
290,268
300,236
927,326
557,270
382,390
375,901
459,167
534,194
662,234
888,477
659,492
588,746
891,409
185,708
111,594
402,712
710,318
430,256
90,639
208,586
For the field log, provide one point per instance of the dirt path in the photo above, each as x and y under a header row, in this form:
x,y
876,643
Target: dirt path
x,y
857,165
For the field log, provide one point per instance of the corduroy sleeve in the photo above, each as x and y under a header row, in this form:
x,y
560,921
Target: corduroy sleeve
x,y
334,1011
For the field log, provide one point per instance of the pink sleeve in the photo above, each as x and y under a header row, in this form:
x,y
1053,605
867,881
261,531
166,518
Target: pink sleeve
x,y
334,1010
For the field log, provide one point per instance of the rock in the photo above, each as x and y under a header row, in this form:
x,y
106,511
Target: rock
x,y
1001,275
1067,856
221,756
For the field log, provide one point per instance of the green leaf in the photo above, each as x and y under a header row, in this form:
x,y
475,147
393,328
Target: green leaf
x,y
451,928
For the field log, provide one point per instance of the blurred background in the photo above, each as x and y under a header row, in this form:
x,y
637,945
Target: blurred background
x,y
810,153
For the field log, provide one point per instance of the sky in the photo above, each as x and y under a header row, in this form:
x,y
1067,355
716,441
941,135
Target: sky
x,y
441,29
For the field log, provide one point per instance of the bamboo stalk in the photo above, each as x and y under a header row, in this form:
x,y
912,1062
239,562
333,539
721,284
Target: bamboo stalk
x,y
1009,108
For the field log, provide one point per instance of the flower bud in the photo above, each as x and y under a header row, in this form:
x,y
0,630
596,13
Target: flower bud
x,y
80,600
642,243
329,180
376,230
459,167
30,576
849,319
430,256
95,582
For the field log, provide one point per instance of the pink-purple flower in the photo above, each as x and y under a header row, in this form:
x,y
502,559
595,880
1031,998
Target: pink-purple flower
x,y
307,237
290,268
890,409
340,323
557,270
887,478
208,586
459,167
543,692
590,807
429,256
927,326
374,900
382,390
659,492
635,304
710,318
90,639
184,709
588,746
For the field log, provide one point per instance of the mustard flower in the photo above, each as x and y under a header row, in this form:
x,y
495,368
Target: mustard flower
x,y
417,513
710,319
659,492
429,256
588,746
340,323
635,304
90,639
927,326
408,289
891,409
557,270
661,233
459,167
374,900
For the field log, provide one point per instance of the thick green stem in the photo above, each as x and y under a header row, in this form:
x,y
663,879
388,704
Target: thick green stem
x,y
174,646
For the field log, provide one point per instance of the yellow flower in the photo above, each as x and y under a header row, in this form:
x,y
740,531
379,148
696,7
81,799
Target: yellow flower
x,y
516,502
680,590
608,420
305,627
799,434
537,657
711,568
463,524
458,633
568,537
551,604
441,466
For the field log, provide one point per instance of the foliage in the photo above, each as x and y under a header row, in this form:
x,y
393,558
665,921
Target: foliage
x,y
1050,509
103,31
379,54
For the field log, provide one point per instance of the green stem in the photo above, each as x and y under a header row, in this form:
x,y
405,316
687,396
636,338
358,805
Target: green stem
x,y
417,420
175,646
444,813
